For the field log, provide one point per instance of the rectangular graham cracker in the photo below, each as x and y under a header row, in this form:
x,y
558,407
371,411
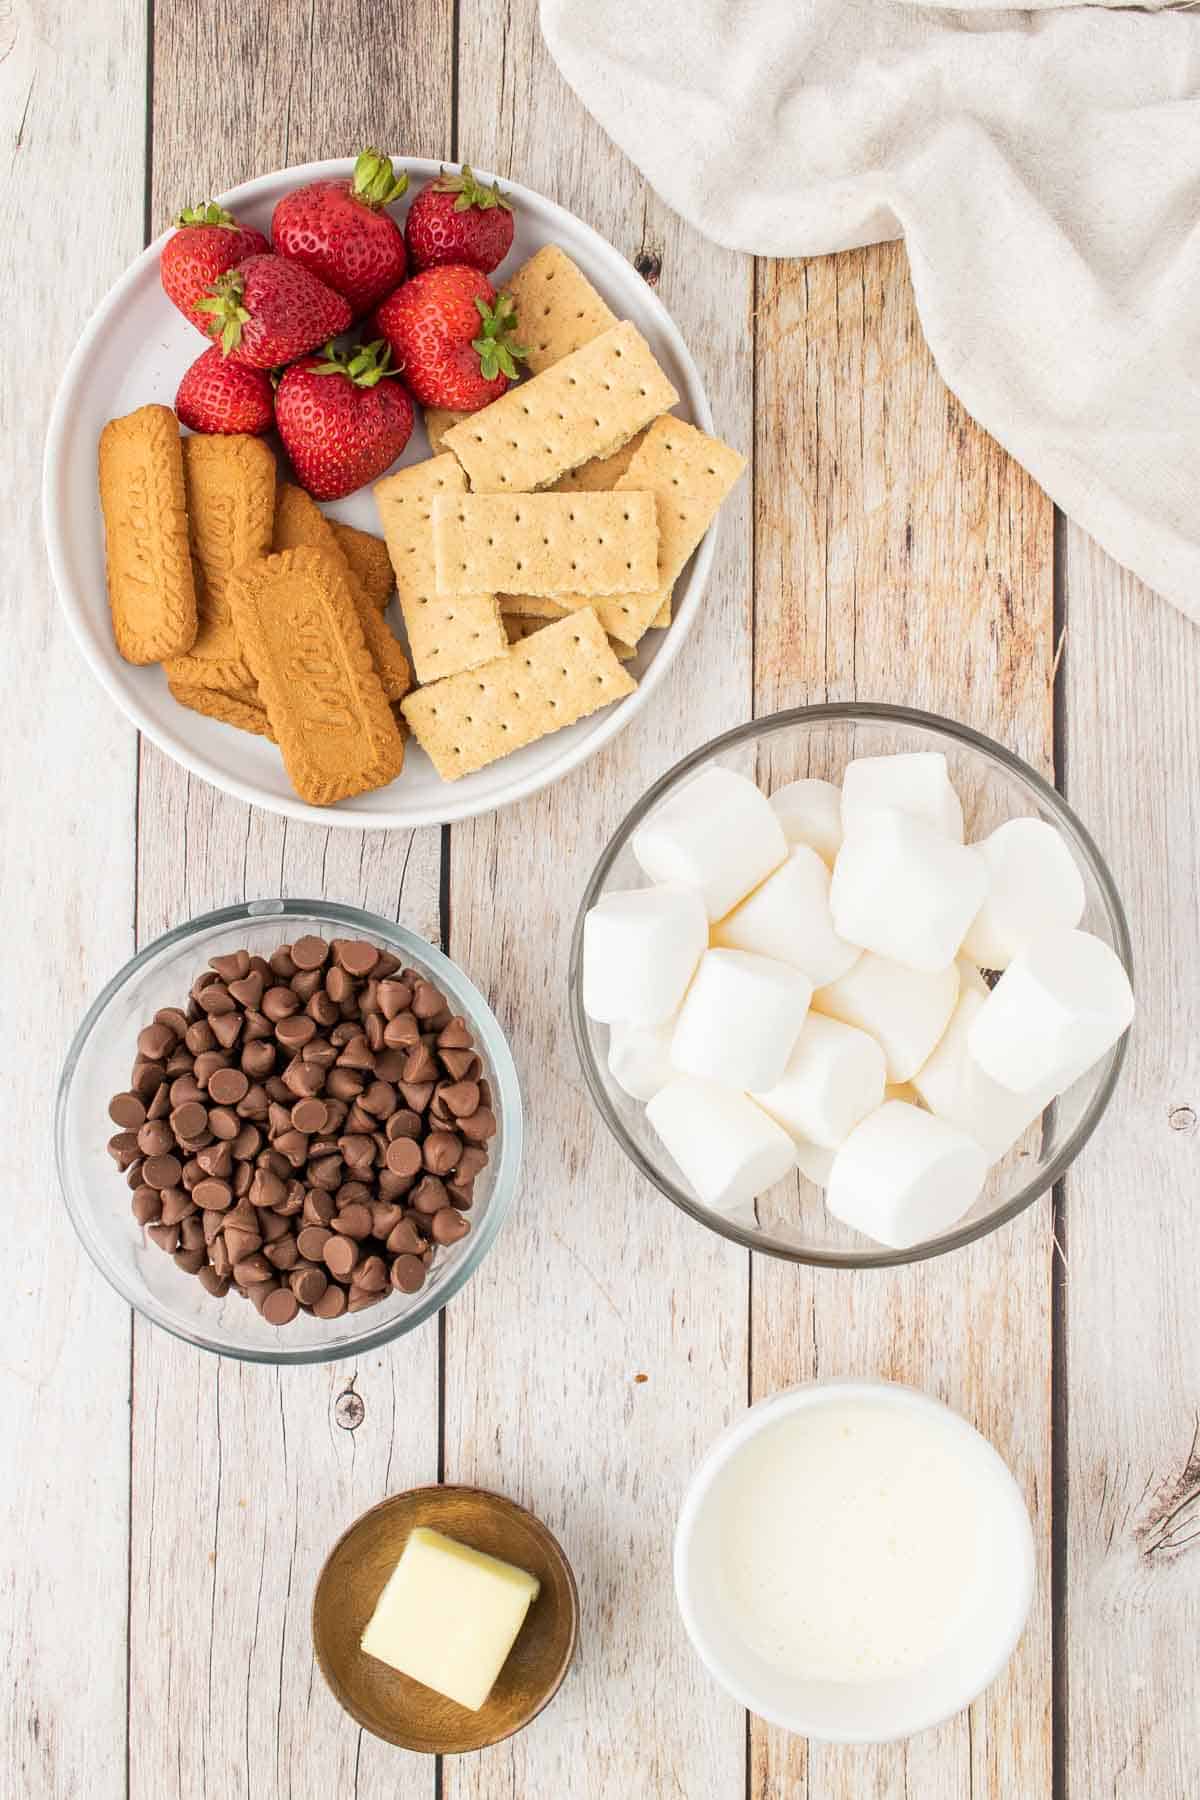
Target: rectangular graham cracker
x,y
445,635
689,474
585,406
602,473
531,606
438,421
301,629
546,543
300,523
564,672
519,627
558,309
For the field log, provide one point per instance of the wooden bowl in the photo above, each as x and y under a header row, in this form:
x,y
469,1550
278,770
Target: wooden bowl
x,y
403,1711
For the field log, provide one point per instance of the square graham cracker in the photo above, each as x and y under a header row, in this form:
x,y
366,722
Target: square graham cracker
x,y
438,421
587,405
445,634
546,543
558,309
559,675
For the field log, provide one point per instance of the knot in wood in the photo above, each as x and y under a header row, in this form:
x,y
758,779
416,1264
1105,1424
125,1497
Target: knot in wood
x,y
349,1410
1182,1118
648,264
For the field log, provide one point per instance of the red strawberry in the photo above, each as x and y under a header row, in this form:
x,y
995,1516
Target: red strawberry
x,y
450,333
458,220
339,231
218,395
209,241
341,420
269,311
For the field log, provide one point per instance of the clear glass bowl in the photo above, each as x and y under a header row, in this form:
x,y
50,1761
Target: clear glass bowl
x,y
790,1219
97,1197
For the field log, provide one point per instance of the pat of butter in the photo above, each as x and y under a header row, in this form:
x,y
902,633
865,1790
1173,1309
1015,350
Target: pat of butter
x,y
449,1616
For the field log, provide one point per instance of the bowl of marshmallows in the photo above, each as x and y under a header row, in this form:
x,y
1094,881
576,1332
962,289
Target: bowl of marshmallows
x,y
851,985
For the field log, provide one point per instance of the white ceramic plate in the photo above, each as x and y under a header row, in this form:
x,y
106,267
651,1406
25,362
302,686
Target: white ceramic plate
x,y
135,350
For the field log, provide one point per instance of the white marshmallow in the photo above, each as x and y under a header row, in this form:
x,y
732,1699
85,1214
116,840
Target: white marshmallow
x,y
810,812
639,1058
740,1020
903,890
813,1161
726,1147
1033,884
905,1009
904,1176
953,1086
788,917
1059,1005
640,950
834,1078
716,834
916,782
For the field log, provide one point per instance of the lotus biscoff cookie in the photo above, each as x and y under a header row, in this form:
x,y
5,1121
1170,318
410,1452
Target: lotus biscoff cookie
x,y
546,543
585,406
301,631
299,522
229,709
558,309
151,591
561,674
445,635
369,562
230,487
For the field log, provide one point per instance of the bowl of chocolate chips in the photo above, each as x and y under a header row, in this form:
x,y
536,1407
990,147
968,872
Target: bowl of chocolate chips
x,y
288,1131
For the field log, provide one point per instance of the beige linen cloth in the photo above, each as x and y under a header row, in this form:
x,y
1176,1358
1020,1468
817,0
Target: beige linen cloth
x,y
1042,166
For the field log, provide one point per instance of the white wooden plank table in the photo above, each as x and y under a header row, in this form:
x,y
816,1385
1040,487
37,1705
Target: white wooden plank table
x,y
165,1514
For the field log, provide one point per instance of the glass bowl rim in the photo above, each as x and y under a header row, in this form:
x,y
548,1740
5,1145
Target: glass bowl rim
x,y
869,712
508,1096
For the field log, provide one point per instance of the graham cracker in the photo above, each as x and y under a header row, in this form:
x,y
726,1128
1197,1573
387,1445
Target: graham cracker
x,y
230,709
546,543
230,485
299,522
369,562
438,421
561,674
602,473
587,405
444,635
301,630
689,474
558,309
151,590
519,627
531,606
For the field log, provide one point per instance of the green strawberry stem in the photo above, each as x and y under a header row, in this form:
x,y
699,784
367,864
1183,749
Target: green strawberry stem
x,y
498,354
225,305
207,214
470,191
376,182
365,365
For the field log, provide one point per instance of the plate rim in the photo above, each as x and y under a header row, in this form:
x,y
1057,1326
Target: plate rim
x,y
443,809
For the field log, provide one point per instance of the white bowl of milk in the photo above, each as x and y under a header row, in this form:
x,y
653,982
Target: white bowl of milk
x,y
853,1561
